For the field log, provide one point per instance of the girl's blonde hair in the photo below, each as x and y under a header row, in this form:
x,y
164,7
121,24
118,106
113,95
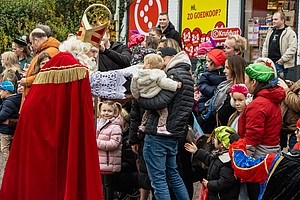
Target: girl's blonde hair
x,y
117,107
154,61
11,60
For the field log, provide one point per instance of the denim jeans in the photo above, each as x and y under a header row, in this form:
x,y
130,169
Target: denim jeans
x,y
280,68
160,158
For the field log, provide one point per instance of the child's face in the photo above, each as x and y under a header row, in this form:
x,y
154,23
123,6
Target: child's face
x,y
44,62
210,64
107,111
297,132
4,94
201,56
239,101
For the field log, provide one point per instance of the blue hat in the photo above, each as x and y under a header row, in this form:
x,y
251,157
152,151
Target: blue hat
x,y
7,85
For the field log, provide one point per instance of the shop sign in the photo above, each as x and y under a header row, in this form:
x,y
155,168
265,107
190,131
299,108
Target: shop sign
x,y
199,19
143,14
222,33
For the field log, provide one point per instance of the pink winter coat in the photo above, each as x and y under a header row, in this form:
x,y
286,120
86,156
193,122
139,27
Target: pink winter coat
x,y
109,138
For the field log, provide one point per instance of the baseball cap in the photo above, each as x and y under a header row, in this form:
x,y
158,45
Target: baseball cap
x,y
7,85
167,51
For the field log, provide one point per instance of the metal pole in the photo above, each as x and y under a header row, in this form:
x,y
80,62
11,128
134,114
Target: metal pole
x,y
117,19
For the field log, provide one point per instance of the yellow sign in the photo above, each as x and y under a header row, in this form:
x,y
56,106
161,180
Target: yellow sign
x,y
199,18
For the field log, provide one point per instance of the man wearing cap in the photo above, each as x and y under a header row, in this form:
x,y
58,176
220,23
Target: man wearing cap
x,y
160,150
280,45
40,43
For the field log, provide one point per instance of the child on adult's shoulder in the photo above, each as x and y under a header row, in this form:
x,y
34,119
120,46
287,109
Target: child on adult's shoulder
x,y
240,98
297,132
210,79
9,110
221,182
148,82
109,142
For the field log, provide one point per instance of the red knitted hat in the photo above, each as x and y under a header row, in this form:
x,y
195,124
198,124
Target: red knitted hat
x,y
298,124
217,56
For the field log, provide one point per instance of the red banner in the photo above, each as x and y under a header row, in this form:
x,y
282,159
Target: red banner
x,y
143,14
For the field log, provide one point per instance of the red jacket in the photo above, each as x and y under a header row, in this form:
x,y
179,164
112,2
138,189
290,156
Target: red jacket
x,y
260,122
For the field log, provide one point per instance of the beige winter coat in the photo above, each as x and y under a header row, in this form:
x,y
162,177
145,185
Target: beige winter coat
x,y
147,83
290,108
288,46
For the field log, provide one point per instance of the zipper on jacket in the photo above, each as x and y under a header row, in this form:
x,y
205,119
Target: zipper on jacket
x,y
107,158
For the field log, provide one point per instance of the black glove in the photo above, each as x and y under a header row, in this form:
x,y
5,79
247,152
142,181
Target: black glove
x,y
234,137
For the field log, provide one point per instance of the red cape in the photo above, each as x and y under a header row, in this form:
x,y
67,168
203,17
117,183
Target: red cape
x,y
54,154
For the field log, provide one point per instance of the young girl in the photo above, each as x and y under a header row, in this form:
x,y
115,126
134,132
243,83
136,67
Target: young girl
x,y
240,98
220,182
42,60
109,142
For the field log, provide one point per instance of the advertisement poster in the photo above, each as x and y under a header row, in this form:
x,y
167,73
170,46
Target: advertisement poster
x,y
199,18
143,14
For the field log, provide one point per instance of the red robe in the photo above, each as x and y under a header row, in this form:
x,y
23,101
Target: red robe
x,y
54,152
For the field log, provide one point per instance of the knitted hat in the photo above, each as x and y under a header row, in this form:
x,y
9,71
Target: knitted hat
x,y
136,39
222,133
217,56
298,123
240,88
204,48
260,72
7,85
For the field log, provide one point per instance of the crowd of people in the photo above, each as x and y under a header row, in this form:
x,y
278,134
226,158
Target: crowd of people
x,y
139,144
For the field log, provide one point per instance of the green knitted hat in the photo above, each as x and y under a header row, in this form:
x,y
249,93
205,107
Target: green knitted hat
x,y
223,133
260,72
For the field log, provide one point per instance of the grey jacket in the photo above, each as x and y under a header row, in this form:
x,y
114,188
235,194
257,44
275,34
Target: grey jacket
x,y
288,46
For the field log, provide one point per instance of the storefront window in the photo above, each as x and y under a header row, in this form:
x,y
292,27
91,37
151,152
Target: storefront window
x,y
258,19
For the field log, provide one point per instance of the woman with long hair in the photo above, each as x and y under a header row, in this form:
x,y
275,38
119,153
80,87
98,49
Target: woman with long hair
x,y
219,109
19,47
11,67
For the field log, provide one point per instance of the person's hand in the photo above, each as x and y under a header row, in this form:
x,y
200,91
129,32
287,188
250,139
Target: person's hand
x,y
282,83
22,82
179,85
192,148
289,83
280,61
135,148
205,182
6,122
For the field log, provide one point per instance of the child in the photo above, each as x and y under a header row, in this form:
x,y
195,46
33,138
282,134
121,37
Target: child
x,y
240,98
9,109
148,82
210,79
136,45
220,182
109,142
204,48
41,61
297,133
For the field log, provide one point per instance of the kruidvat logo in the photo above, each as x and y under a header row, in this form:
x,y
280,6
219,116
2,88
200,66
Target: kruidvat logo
x,y
222,33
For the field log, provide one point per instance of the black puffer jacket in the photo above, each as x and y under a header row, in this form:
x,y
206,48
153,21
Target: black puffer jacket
x,y
221,182
9,109
170,32
179,104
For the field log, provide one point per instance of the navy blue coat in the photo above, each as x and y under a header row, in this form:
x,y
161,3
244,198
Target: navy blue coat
x,y
9,109
207,85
